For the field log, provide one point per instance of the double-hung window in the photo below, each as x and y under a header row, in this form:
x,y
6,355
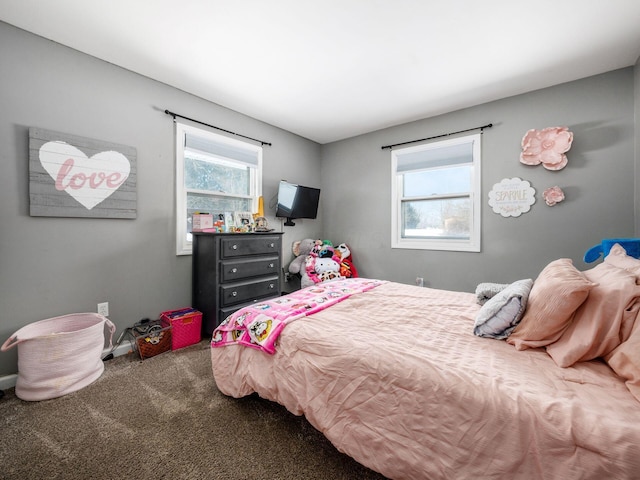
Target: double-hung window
x,y
214,174
436,191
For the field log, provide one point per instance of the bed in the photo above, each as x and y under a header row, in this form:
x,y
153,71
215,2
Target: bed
x,y
397,377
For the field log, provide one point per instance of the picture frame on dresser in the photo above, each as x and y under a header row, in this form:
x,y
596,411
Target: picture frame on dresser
x,y
233,270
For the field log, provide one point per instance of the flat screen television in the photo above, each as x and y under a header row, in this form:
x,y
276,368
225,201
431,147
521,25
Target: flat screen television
x,y
297,201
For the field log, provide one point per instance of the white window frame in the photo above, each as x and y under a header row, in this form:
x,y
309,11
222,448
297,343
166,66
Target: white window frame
x,y
183,245
462,245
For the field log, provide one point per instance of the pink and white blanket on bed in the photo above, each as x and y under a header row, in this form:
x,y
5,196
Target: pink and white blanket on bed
x,y
259,325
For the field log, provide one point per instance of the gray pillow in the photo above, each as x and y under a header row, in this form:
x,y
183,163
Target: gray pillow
x,y
500,315
485,291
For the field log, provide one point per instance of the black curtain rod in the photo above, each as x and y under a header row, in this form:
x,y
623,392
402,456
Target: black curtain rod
x,y
439,136
174,115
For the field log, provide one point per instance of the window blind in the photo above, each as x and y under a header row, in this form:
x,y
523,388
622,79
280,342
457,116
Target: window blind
x,y
243,155
435,157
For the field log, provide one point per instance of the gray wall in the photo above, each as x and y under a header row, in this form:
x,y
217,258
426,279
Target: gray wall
x,y
56,266
598,183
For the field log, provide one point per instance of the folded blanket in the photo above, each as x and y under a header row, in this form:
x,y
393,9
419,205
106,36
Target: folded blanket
x,y
500,315
485,291
259,325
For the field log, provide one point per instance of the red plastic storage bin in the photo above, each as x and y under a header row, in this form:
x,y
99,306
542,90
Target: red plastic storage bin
x,y
186,326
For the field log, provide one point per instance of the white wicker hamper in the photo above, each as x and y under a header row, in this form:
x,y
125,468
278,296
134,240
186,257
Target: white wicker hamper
x,y
59,355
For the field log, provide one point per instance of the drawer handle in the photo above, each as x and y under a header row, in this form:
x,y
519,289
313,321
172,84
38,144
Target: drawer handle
x,y
234,247
272,245
234,294
272,286
271,265
234,270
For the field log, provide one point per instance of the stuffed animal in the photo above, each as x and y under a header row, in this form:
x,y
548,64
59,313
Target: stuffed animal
x,y
323,250
322,263
323,269
318,261
302,249
347,268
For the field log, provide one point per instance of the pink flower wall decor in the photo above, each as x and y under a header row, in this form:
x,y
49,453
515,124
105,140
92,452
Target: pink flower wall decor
x,y
553,195
547,146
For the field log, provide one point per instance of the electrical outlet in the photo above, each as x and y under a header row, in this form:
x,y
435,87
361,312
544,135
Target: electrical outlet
x,y
420,281
103,309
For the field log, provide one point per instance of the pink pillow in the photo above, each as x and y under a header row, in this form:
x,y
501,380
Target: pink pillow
x,y
603,321
625,361
618,257
556,294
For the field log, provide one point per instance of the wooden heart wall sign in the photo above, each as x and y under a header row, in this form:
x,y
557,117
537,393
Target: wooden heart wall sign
x,y
73,176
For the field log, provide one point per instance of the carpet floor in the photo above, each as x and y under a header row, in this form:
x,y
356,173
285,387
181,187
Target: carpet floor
x,y
163,418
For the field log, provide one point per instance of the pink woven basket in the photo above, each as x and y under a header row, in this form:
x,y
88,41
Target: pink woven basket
x,y
59,355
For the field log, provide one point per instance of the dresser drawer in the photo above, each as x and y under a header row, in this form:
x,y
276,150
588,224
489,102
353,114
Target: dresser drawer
x,y
242,292
225,312
237,269
258,245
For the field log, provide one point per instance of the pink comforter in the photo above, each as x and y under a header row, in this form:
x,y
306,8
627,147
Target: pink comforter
x,y
395,378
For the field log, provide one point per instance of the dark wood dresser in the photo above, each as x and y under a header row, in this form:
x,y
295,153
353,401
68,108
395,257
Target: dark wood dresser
x,y
232,270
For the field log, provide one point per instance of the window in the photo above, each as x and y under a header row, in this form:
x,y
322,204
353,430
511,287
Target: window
x,y
436,195
214,174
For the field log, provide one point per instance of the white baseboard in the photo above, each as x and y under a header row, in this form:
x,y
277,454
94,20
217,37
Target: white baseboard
x,y
9,381
122,349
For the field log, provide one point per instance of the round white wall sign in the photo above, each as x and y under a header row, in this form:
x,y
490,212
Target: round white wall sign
x,y
512,197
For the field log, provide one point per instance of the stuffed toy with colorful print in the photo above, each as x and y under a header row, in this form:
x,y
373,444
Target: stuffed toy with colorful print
x,y
319,261
301,250
322,263
347,268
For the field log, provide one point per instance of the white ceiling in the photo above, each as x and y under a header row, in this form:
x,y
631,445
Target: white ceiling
x,y
333,69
